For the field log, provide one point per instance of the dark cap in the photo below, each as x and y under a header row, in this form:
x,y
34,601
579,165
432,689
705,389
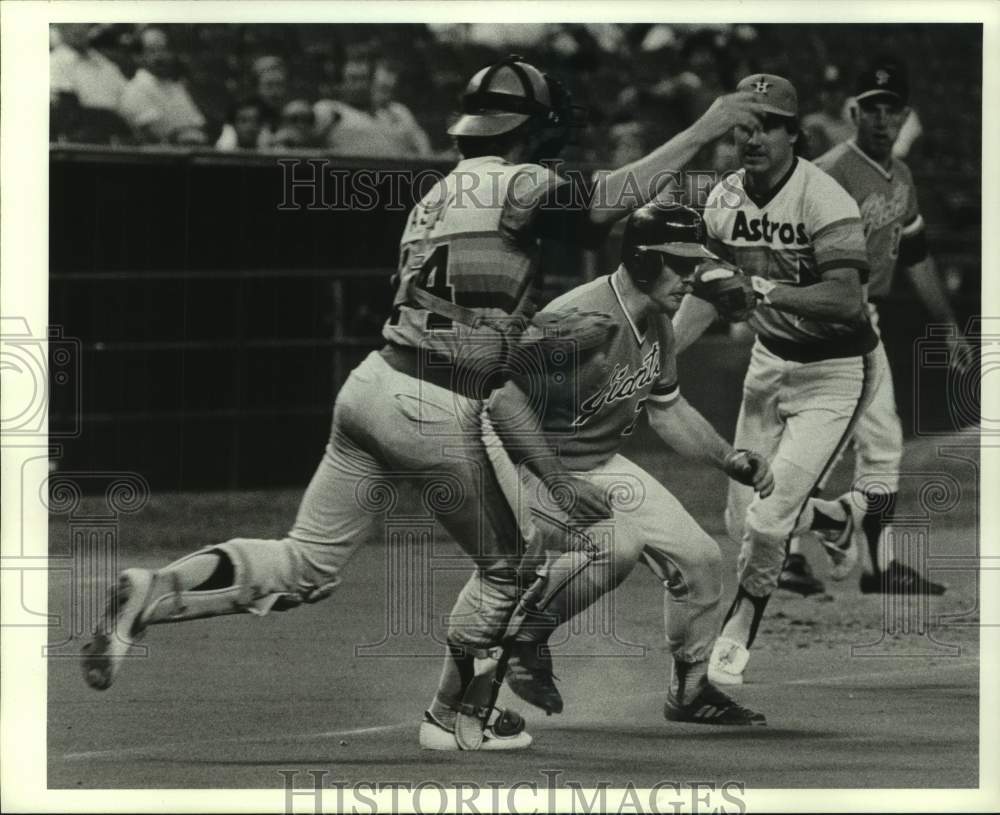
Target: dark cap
x,y
884,78
775,93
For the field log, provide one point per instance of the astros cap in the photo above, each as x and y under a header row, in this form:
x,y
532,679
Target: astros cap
x,y
884,78
775,93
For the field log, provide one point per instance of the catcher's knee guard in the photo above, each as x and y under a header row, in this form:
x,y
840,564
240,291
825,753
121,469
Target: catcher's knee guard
x,y
268,576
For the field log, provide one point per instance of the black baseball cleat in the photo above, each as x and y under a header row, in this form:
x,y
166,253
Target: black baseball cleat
x,y
529,675
898,578
797,576
712,706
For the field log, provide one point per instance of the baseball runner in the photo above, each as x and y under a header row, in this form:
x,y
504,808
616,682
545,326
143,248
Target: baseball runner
x,y
883,188
798,235
461,320
585,413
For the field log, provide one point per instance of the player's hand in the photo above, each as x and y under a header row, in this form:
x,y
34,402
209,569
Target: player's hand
x,y
741,109
762,287
750,468
725,287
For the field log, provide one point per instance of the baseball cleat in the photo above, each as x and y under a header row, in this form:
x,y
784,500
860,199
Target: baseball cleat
x,y
727,663
504,732
118,630
842,546
899,578
797,576
529,675
712,706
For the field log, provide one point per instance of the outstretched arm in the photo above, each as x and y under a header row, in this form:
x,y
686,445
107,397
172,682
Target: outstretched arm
x,y
619,192
518,425
838,297
927,284
692,320
923,275
690,434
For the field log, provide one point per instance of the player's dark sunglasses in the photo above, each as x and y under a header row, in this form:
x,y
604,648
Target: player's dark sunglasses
x,y
684,267
681,266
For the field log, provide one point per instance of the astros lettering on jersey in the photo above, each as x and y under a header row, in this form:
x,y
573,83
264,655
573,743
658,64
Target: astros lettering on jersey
x,y
806,225
888,204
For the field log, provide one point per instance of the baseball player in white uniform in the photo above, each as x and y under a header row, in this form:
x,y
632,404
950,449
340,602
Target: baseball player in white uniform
x,y
798,234
586,413
465,288
883,188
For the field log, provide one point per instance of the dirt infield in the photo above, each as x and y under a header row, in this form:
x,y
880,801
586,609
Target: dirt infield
x,y
858,693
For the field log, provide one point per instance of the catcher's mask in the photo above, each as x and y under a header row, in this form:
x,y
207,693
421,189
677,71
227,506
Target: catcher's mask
x,y
658,233
509,93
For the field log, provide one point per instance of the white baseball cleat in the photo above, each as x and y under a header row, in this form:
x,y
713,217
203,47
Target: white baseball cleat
x,y
843,547
727,663
504,732
118,630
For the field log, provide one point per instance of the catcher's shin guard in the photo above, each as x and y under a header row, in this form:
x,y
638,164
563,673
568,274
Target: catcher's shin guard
x,y
481,693
263,578
480,697
173,606
168,603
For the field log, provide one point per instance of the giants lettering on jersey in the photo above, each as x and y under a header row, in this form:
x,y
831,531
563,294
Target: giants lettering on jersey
x,y
621,385
877,210
757,229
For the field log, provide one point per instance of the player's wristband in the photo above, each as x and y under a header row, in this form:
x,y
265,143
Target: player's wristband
x,y
762,287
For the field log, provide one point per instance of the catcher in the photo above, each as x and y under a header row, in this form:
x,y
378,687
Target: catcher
x,y
465,289
586,409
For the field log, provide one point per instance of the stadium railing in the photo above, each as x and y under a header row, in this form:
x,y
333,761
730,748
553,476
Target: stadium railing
x,y
218,312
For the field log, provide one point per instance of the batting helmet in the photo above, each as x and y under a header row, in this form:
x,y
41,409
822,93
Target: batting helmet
x,y
505,95
656,230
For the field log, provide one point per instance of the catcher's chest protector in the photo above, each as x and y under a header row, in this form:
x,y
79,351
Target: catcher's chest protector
x,y
469,242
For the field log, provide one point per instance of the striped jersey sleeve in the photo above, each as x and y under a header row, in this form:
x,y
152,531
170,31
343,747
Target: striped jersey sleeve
x,y
666,390
833,222
912,238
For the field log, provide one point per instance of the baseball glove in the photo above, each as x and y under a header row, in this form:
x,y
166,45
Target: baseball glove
x,y
727,288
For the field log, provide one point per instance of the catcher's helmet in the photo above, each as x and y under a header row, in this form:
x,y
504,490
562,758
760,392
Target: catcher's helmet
x,y
659,229
505,95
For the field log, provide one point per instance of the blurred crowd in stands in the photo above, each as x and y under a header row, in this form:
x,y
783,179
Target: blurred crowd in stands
x,y
389,90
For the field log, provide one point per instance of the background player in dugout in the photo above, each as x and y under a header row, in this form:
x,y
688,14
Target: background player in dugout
x,y
798,234
586,408
894,234
396,413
